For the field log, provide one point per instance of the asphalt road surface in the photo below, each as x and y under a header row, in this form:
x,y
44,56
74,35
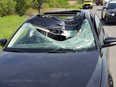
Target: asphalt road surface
x,y
111,31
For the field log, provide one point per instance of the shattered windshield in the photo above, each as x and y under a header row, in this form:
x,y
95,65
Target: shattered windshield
x,y
30,36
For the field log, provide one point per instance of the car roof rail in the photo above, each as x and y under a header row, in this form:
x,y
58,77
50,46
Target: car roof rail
x,y
65,12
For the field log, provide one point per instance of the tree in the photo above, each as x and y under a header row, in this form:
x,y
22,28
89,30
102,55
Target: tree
x,y
7,7
11,7
37,4
21,7
63,3
54,3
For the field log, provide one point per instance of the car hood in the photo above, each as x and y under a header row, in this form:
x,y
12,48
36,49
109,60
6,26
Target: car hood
x,y
112,10
47,69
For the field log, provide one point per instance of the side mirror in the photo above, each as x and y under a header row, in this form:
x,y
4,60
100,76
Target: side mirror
x,y
109,41
3,42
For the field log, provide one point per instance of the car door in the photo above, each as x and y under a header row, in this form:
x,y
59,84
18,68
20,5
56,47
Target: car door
x,y
101,35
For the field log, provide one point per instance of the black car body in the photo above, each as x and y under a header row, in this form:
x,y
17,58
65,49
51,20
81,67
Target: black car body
x,y
108,13
57,49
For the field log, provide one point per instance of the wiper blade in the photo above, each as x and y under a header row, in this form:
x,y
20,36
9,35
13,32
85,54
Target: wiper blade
x,y
14,50
61,51
57,51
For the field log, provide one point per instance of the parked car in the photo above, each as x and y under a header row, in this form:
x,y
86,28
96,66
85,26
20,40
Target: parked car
x,y
88,4
57,49
108,13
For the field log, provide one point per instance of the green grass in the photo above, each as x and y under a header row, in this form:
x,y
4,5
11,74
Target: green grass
x,y
9,24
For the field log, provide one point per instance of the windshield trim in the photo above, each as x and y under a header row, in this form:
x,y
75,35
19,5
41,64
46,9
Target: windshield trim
x,y
38,50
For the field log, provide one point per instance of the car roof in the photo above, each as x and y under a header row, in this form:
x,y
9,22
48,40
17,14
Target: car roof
x,y
51,21
112,1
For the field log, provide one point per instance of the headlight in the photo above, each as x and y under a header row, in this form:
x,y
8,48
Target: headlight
x,y
111,14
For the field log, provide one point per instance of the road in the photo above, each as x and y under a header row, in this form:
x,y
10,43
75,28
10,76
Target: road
x,y
111,31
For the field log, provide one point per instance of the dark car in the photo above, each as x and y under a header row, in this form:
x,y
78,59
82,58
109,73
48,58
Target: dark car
x,y
108,13
57,49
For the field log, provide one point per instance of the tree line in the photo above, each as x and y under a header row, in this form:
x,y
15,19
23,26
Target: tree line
x,y
9,7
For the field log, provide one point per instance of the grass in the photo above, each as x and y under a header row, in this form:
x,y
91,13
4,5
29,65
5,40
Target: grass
x,y
9,24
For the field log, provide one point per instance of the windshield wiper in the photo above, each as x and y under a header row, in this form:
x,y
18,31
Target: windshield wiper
x,y
57,51
61,51
14,50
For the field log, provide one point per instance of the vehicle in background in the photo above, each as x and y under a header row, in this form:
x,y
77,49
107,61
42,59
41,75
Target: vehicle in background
x,y
88,4
99,2
108,13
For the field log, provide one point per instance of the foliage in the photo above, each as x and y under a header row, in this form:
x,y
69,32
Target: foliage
x,y
40,4
80,1
7,7
22,7
62,3
58,3
37,4
31,12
